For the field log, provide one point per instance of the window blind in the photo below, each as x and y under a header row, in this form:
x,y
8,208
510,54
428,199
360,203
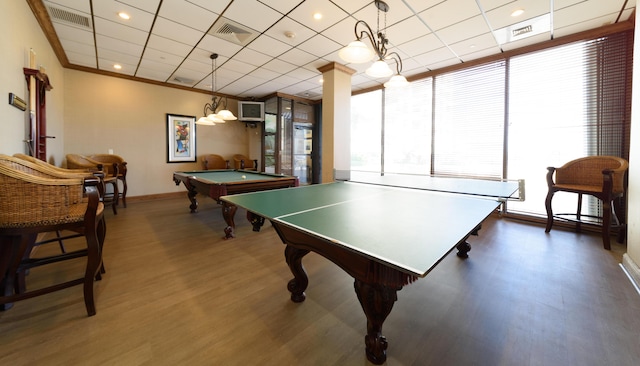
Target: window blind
x,y
469,122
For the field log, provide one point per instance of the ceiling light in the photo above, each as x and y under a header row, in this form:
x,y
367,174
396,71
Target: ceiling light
x,y
517,13
215,117
124,15
317,16
396,81
117,66
358,52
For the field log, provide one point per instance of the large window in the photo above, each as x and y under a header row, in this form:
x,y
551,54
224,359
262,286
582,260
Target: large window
x,y
508,119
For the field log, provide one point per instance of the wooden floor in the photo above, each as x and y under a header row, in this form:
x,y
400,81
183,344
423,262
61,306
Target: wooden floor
x,y
175,293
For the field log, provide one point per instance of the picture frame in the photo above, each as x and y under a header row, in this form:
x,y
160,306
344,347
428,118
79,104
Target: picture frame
x,y
181,138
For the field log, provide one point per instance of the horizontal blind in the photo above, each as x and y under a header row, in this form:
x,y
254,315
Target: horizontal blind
x,y
469,122
564,103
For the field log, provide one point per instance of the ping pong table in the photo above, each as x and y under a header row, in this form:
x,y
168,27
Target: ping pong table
x,y
384,234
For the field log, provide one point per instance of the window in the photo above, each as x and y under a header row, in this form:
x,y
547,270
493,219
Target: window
x,y
366,132
407,129
508,119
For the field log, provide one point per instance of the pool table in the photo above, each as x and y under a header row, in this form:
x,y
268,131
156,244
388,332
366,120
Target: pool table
x,y
218,183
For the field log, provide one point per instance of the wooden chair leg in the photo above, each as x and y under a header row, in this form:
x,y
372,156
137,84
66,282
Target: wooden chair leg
x,y
124,193
579,214
606,224
547,204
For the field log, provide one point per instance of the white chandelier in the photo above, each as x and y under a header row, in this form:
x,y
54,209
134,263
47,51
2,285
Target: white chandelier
x,y
358,52
221,116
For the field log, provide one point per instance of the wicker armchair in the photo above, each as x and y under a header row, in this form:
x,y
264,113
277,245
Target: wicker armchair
x,y
52,167
213,161
34,166
33,204
242,162
110,177
602,177
108,160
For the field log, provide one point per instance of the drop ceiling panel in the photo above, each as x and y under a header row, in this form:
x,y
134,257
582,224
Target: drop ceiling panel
x,y
331,14
449,12
253,14
119,31
269,46
170,41
139,19
406,30
319,46
120,46
501,17
187,14
150,6
212,44
300,33
82,60
464,30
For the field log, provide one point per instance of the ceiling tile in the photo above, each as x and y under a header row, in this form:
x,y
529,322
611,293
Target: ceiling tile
x,y
252,13
449,12
331,14
320,46
269,46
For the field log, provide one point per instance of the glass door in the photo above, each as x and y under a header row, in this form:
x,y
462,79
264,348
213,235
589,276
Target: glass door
x,y
302,138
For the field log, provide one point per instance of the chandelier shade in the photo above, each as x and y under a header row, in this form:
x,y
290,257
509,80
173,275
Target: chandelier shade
x,y
396,81
356,52
379,69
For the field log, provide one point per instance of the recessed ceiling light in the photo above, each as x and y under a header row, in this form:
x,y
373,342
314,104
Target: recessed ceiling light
x,y
117,66
124,15
517,13
317,16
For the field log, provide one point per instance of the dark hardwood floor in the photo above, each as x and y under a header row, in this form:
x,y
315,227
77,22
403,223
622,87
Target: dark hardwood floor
x,y
176,293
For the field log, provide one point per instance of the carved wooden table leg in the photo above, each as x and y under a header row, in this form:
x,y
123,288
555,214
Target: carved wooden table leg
x,y
377,301
228,212
256,220
464,247
191,193
300,280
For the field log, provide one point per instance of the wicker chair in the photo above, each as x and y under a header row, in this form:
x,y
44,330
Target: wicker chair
x,y
34,166
213,161
110,174
52,167
110,159
602,177
32,204
242,162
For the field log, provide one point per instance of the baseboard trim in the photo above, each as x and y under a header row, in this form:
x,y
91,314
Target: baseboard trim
x,y
632,270
160,196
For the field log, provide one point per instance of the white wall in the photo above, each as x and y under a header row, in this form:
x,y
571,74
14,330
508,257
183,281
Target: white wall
x,y
90,113
129,117
19,32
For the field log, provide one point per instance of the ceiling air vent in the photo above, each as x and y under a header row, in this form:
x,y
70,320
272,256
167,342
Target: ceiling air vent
x,y
68,17
233,32
527,28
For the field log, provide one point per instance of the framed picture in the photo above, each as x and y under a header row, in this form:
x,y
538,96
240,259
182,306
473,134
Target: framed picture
x,y
181,138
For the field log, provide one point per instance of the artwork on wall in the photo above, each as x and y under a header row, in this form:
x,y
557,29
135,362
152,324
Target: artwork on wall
x,y
181,138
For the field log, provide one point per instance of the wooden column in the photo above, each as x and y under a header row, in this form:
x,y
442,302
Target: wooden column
x,y
336,121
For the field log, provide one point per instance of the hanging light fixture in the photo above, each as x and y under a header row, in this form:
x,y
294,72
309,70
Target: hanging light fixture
x,y
358,52
223,115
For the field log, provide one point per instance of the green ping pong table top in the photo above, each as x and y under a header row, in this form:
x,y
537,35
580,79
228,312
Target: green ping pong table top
x,y
408,229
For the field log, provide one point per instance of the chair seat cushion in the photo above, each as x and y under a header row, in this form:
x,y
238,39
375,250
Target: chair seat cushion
x,y
578,188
